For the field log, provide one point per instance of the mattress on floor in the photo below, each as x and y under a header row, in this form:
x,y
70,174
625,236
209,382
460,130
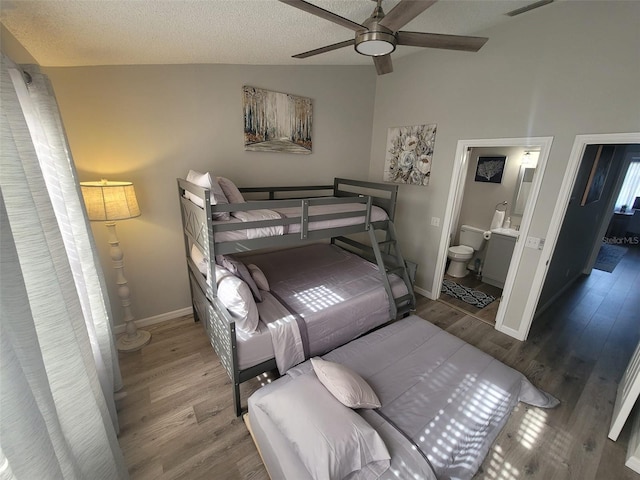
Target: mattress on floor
x,y
447,398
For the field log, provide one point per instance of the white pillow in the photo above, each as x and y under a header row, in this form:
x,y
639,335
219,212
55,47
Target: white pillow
x,y
238,268
205,180
346,385
230,190
259,277
332,441
199,259
236,296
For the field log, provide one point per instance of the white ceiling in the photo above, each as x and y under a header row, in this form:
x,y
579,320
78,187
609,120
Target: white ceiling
x,y
260,32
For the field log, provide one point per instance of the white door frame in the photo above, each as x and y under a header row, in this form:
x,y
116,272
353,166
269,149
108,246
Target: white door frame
x,y
454,203
562,203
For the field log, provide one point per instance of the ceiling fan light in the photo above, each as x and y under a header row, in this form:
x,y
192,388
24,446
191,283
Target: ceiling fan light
x,y
375,44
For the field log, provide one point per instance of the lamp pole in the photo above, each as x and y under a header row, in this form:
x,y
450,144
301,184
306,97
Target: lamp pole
x,y
133,339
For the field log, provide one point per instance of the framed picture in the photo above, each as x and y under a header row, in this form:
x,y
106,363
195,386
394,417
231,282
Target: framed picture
x,y
598,175
409,154
276,122
490,169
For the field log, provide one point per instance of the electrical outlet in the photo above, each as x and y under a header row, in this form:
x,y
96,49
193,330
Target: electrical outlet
x,y
435,221
532,242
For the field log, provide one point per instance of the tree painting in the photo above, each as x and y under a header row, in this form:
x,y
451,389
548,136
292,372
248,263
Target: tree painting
x,y
409,154
276,122
490,169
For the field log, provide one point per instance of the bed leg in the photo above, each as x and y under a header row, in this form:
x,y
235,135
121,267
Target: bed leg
x,y
236,399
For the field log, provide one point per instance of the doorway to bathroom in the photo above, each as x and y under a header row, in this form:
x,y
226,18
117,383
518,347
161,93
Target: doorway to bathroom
x,y
493,192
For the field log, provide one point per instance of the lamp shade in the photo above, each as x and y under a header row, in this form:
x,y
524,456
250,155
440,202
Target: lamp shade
x,y
109,201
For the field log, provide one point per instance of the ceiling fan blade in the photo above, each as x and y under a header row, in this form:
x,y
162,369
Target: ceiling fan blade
x,y
322,13
383,64
404,12
328,48
438,40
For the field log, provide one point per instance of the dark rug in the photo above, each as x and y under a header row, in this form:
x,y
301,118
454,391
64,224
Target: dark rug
x,y
609,256
466,294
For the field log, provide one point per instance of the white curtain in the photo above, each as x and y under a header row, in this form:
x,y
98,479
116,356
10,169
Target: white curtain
x,y
58,363
630,187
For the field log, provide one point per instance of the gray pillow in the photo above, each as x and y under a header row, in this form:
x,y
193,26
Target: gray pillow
x,y
239,269
230,190
259,277
347,386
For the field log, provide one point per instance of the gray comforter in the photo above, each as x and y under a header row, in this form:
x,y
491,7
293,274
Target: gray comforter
x,y
335,295
438,393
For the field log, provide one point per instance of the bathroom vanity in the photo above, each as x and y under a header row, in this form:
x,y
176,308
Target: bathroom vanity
x,y
498,256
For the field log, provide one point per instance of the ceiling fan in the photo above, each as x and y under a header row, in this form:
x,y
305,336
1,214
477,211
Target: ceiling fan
x,y
379,34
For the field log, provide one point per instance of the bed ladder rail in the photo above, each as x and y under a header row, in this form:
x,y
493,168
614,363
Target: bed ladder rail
x,y
390,260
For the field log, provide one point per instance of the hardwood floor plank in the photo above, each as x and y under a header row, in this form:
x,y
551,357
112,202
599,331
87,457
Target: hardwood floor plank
x,y
177,420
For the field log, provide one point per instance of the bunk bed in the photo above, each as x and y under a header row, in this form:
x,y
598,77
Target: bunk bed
x,y
305,216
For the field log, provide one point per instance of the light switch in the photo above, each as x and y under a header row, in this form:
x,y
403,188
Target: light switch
x,y
532,242
435,221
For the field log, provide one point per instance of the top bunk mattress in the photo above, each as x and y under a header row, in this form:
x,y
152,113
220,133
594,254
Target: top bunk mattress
x,y
377,214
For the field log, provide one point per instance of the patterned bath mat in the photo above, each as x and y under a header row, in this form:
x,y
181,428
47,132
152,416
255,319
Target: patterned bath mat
x,y
466,294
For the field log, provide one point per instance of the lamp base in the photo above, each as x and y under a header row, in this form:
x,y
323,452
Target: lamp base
x,y
127,343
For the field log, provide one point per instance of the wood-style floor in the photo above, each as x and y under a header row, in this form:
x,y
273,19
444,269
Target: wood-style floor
x,y
177,419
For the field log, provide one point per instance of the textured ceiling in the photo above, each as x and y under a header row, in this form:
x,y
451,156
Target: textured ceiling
x,y
261,32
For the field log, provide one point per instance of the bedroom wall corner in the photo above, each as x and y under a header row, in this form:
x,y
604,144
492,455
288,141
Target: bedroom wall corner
x,y
13,49
150,124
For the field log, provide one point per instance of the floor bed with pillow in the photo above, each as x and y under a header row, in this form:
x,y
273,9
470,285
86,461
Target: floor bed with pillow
x,y
442,403
264,310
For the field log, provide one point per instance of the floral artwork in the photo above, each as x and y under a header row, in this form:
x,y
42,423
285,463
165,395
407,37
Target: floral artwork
x,y
409,154
490,169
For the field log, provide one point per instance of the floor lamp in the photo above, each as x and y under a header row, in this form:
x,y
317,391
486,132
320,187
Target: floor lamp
x,y
108,202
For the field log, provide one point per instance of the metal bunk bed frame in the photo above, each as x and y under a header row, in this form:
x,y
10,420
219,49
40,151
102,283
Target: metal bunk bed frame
x,y
199,228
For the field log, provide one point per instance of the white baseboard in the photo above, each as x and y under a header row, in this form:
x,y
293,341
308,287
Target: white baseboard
x,y
424,293
163,317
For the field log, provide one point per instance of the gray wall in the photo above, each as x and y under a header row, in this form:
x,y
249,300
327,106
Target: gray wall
x,y
565,69
151,124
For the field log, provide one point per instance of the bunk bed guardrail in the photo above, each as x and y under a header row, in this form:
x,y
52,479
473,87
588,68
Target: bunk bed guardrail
x,y
199,229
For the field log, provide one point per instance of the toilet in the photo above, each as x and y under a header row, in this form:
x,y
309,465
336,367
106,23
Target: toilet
x,y
471,240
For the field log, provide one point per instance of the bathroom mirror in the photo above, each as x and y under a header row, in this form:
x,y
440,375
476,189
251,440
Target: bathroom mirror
x,y
523,187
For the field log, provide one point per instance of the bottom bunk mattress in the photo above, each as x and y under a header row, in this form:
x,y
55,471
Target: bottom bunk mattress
x,y
330,294
443,404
